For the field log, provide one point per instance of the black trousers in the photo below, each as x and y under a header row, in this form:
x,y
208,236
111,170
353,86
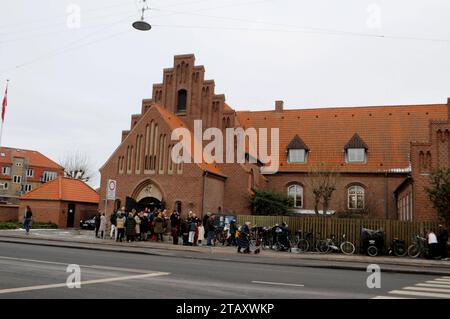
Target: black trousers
x,y
443,249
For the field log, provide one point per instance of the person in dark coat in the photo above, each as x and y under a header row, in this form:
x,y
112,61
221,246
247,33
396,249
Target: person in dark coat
x,y
210,230
244,239
131,228
442,237
204,222
159,227
144,226
97,220
27,219
184,227
175,224
233,229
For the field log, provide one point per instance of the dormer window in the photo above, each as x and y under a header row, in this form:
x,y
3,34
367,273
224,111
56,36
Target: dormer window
x,y
356,155
356,150
297,151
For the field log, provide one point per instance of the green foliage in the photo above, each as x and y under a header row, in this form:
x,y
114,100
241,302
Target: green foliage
x,y
268,202
439,193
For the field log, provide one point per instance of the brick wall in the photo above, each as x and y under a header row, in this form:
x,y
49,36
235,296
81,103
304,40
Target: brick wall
x,y
9,213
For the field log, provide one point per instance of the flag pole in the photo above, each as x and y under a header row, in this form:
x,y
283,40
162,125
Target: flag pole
x,y
3,111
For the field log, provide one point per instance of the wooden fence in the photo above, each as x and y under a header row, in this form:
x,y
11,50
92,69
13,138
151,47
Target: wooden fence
x,y
351,227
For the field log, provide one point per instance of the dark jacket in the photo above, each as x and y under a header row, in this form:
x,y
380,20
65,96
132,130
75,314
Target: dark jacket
x,y
113,219
442,235
131,226
144,224
28,215
97,219
244,240
175,220
210,225
205,220
192,224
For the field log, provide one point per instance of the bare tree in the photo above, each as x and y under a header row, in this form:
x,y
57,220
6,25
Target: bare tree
x,y
77,166
322,181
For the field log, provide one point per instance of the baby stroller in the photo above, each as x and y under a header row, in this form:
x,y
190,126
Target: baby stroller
x,y
255,244
372,241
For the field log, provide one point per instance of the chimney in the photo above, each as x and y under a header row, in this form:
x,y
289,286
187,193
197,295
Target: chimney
x,y
279,106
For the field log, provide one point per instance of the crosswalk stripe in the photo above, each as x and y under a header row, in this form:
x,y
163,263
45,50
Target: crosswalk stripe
x,y
443,280
437,282
446,277
428,289
419,293
433,285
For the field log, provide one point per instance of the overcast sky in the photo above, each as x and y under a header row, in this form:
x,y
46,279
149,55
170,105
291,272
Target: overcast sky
x,y
75,88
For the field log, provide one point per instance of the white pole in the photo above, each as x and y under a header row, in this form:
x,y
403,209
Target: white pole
x,y
106,204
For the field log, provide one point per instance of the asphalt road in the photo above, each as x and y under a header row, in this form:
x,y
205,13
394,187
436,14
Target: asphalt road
x,y
30,271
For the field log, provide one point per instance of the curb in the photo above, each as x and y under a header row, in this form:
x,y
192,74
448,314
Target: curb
x,y
362,267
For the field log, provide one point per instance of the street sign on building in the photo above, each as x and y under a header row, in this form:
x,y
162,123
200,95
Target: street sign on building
x,y
111,189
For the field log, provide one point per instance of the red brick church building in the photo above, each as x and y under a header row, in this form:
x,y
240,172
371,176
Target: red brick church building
x,y
383,154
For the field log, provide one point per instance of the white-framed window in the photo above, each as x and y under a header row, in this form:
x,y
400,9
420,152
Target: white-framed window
x,y
48,176
297,156
30,172
17,179
26,188
6,170
4,186
356,155
356,197
295,192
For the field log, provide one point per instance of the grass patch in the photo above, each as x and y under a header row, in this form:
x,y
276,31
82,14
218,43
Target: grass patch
x,y
34,225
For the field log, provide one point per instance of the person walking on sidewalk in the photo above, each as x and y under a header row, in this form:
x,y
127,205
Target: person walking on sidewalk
x,y
102,228
131,227
232,238
204,222
442,237
113,220
97,219
244,238
27,219
120,224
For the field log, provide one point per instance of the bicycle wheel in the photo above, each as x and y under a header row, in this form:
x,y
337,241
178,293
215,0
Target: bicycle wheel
x,y
347,248
322,246
372,251
413,251
400,250
303,245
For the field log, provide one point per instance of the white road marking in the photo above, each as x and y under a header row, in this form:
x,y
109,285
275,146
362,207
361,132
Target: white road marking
x,y
433,285
390,297
276,283
87,282
437,282
428,289
420,294
443,280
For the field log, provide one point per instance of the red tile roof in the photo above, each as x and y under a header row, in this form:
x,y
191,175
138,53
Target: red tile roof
x,y
175,122
387,131
34,158
66,189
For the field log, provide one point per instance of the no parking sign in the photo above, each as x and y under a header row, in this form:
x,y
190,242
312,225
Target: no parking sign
x,y
111,189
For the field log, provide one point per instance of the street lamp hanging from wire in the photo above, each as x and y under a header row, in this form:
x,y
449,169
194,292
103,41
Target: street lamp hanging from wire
x,y
142,25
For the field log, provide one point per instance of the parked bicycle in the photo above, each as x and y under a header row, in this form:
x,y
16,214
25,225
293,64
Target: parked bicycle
x,y
311,242
345,246
418,248
397,248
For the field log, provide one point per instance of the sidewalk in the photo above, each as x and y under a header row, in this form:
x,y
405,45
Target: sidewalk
x,y
85,240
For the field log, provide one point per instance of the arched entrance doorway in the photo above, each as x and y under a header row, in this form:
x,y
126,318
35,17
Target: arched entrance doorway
x,y
148,195
149,202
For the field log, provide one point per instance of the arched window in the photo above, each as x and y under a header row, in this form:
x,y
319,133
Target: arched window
x,y
181,102
356,197
295,192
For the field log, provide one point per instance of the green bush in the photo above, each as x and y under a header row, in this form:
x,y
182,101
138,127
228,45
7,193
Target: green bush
x,y
35,225
268,202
